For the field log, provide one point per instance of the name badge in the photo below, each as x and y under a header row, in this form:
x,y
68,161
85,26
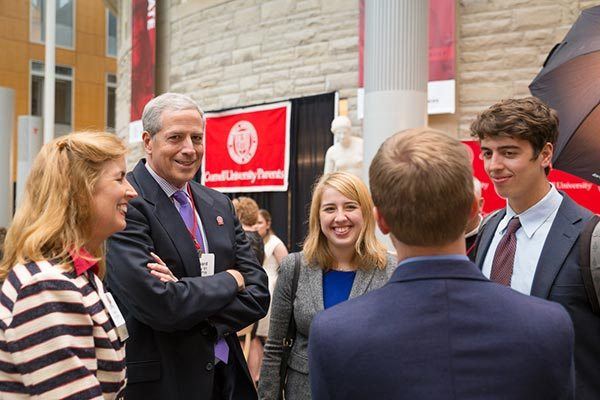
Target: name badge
x,y
115,315
207,264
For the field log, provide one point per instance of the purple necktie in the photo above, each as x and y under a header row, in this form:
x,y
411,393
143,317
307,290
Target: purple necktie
x,y
504,258
188,215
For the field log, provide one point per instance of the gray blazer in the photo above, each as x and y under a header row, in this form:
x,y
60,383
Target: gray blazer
x,y
308,302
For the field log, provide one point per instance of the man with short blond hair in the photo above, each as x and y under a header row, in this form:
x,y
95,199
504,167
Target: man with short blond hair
x,y
404,168
439,329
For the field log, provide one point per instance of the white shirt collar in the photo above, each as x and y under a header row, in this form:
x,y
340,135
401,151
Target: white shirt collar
x,y
533,218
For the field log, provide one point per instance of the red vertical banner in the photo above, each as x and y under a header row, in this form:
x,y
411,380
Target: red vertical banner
x,y
441,89
583,192
441,40
143,55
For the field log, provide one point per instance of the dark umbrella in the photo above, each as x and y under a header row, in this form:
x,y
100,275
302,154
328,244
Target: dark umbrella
x,y
569,82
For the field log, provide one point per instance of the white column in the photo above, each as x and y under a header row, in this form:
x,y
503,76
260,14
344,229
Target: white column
x,y
49,70
7,117
396,71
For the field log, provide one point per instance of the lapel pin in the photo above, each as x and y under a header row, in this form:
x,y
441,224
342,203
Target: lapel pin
x,y
220,220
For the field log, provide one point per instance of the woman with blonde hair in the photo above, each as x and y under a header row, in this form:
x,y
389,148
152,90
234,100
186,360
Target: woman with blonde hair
x,y
61,334
341,259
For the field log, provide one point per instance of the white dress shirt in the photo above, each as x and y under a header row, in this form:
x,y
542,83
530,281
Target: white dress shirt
x,y
531,236
169,189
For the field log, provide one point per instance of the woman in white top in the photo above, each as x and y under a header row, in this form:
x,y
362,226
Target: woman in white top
x,y
275,251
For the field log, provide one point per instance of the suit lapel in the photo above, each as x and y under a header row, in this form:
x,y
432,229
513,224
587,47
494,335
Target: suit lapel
x,y
561,237
487,236
169,218
206,211
362,280
315,285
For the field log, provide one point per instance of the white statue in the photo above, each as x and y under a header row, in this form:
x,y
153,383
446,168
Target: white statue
x,y
346,154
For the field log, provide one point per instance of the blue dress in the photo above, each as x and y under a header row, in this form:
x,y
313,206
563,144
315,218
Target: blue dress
x,y
336,287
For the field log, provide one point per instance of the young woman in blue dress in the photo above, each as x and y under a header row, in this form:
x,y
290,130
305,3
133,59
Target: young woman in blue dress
x,y
341,259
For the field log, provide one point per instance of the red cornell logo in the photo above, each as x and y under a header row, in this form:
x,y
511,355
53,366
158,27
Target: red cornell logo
x,y
242,142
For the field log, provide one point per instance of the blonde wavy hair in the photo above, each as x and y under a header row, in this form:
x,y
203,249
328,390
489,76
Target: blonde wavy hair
x,y
369,252
56,211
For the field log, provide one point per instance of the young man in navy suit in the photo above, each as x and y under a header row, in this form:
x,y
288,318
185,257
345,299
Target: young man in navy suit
x,y
517,138
438,329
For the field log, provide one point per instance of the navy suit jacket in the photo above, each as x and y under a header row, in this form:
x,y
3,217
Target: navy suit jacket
x,y
440,330
558,278
173,327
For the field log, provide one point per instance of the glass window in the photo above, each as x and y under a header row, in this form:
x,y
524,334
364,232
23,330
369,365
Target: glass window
x,y
111,102
63,90
111,34
65,17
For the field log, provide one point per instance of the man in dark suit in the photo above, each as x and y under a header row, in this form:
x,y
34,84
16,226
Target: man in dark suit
x,y
438,329
517,139
182,270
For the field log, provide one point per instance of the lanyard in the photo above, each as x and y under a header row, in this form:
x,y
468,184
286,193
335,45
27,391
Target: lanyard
x,y
199,247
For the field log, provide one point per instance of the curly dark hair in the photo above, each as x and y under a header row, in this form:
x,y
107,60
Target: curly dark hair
x,y
528,118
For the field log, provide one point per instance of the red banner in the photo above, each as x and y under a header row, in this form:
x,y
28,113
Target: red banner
x,y
441,40
247,149
143,39
583,192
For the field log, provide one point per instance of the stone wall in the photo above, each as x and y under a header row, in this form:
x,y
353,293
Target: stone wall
x,y
242,52
502,45
246,52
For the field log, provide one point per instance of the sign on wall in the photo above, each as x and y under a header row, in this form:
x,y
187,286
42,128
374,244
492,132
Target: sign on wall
x,y
583,192
247,149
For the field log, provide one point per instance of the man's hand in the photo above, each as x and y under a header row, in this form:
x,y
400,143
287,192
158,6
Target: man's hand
x,y
160,270
238,278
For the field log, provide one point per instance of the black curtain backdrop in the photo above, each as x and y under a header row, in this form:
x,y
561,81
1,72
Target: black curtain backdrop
x,y
310,137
